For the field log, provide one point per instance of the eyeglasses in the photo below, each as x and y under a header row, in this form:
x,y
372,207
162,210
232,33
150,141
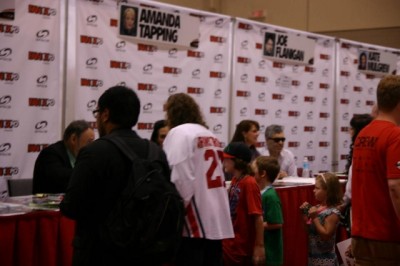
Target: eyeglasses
x,y
278,139
95,112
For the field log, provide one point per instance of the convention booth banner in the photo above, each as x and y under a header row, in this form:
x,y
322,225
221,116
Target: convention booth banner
x,y
375,62
156,26
30,89
104,59
289,48
298,97
356,89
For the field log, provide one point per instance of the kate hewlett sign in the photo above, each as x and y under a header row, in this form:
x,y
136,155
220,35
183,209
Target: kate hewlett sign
x,y
157,26
288,48
376,62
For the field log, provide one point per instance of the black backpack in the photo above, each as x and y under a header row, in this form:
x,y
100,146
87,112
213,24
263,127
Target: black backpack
x,y
147,221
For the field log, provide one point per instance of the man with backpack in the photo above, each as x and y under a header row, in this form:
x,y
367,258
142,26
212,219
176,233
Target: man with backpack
x,y
195,156
100,181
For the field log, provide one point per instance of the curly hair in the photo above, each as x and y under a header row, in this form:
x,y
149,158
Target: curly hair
x,y
243,126
331,184
182,109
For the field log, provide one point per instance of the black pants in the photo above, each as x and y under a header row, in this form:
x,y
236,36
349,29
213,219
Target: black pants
x,y
199,252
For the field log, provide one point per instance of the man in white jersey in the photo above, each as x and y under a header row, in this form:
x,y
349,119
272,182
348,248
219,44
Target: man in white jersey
x,y
195,158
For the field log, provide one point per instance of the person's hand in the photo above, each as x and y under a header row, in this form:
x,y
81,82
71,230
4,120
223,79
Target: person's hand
x,y
313,212
282,174
305,207
259,255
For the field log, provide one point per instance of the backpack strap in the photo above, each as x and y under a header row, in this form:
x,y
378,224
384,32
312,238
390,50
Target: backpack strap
x,y
123,147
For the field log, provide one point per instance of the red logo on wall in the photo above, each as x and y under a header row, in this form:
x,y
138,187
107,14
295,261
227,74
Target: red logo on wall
x,y
217,110
278,65
7,123
344,101
293,113
309,129
119,65
324,115
36,147
144,126
260,144
240,93
113,22
9,76
91,83
345,73
146,47
323,86
41,10
172,70
195,54
295,83
324,56
217,39
41,102
344,156
346,45
344,129
293,144
244,26
91,40
309,99
217,74
260,111
276,96
309,69
261,79
147,87
9,29
8,171
194,90
259,46
37,56
243,60
324,144
357,89
369,103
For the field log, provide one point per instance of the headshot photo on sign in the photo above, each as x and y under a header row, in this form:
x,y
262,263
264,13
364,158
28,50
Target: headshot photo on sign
x,y
269,44
128,21
362,61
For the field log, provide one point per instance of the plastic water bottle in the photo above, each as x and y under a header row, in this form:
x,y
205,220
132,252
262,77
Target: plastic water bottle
x,y
306,167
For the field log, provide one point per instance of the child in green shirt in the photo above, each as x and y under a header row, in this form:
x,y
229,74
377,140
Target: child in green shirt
x,y
266,169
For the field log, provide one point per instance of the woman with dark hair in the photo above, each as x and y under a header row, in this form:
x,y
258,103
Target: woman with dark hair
x,y
160,131
247,131
357,123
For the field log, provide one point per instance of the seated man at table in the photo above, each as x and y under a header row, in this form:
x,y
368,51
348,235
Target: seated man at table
x,y
275,139
54,165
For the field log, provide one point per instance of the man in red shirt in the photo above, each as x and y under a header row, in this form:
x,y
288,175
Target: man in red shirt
x,y
376,182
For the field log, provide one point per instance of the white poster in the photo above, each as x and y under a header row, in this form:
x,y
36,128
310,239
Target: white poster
x,y
356,91
298,97
158,26
289,47
155,72
30,86
376,62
